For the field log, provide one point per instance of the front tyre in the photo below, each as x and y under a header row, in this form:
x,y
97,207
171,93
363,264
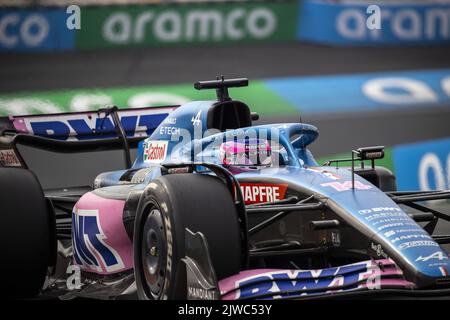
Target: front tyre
x,y
168,205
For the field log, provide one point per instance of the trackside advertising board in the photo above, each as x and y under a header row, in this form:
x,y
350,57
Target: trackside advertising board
x,y
148,25
401,23
35,30
187,24
375,91
423,166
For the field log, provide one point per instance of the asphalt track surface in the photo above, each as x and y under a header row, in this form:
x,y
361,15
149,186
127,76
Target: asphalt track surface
x,y
151,66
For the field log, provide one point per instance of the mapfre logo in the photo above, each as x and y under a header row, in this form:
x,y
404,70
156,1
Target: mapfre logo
x,y
155,151
262,192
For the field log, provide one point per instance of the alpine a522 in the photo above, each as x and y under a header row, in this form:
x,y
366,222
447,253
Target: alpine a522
x,y
207,206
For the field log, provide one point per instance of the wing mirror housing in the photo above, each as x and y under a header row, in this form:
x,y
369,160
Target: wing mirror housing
x,y
369,153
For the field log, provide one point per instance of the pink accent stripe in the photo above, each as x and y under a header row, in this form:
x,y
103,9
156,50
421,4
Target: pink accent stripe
x,y
110,212
19,124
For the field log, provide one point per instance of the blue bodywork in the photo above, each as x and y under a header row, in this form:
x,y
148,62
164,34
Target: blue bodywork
x,y
365,208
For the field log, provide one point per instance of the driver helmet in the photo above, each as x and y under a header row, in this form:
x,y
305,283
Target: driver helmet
x,y
246,153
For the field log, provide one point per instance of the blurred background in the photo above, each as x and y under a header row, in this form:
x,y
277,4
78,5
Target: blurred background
x,y
363,75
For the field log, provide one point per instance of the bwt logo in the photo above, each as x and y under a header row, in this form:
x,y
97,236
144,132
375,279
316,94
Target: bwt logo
x,y
33,29
306,282
85,128
89,246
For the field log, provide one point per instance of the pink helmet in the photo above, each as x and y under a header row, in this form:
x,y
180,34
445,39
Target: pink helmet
x,y
246,153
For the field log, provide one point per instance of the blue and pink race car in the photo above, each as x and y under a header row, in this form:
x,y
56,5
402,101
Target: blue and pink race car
x,y
209,206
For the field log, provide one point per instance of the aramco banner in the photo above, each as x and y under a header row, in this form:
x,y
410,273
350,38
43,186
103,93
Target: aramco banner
x,y
187,24
355,23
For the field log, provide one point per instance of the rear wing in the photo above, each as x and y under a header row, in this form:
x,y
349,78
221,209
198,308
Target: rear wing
x,y
24,138
90,125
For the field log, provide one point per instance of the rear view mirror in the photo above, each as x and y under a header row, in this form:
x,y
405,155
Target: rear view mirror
x,y
370,153
366,153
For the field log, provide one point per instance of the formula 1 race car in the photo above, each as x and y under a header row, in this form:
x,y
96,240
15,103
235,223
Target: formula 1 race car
x,y
212,208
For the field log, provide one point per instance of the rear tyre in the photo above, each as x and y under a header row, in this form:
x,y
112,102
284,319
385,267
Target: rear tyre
x,y
170,204
25,233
